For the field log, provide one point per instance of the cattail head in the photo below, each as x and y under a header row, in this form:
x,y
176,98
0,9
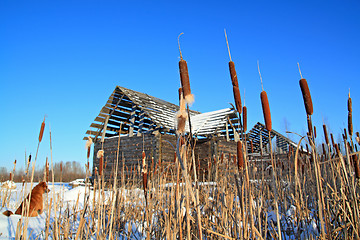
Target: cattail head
x,y
357,137
244,113
100,155
350,124
306,96
266,110
326,135
101,165
61,167
240,156
355,159
252,146
184,77
332,139
88,146
323,148
10,177
42,130
235,84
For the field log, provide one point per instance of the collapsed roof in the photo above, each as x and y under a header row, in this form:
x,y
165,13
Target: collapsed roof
x,y
137,113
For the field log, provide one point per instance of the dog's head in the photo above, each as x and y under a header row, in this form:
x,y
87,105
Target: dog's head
x,y
42,186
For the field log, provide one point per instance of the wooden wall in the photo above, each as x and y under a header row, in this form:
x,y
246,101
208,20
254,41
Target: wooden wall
x,y
157,148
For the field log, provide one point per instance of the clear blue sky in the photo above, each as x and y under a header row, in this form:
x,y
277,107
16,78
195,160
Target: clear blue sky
x,y
64,58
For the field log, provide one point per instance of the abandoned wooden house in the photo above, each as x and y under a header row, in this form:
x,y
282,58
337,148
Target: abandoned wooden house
x,y
146,123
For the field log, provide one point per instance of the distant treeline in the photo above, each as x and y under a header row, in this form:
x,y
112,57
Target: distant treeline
x,y
64,172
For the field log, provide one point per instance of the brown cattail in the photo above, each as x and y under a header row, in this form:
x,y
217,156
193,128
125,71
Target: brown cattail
x,y
10,177
184,77
101,163
100,155
185,82
88,146
356,166
240,156
357,137
323,148
326,135
332,139
306,96
266,110
314,131
42,130
244,118
350,124
252,146
345,134
337,148
222,158
235,84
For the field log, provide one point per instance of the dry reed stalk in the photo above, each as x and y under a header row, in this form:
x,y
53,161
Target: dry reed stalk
x,y
306,96
182,115
25,226
184,77
350,124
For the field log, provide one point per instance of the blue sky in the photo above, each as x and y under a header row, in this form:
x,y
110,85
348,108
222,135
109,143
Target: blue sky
x,y
64,58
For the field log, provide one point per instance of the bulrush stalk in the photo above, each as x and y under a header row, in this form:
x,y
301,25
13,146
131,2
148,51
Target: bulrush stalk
x,y
184,77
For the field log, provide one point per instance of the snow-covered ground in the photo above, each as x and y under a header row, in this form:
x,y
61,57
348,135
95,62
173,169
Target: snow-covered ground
x,y
36,227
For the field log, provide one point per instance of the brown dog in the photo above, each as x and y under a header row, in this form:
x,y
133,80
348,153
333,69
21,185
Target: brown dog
x,y
36,202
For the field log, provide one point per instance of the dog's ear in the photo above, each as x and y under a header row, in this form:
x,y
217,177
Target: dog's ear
x,y
45,187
